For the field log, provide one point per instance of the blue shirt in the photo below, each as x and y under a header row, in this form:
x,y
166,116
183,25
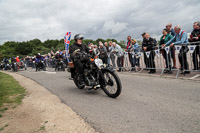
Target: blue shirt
x,y
136,47
38,59
178,39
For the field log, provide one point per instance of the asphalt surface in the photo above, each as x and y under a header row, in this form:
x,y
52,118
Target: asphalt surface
x,y
146,105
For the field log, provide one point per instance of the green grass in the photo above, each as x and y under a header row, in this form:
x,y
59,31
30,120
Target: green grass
x,y
11,93
41,128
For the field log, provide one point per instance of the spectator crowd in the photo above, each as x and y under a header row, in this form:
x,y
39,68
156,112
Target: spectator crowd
x,y
114,55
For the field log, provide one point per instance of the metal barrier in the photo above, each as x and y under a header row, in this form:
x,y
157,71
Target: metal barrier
x,y
180,58
183,58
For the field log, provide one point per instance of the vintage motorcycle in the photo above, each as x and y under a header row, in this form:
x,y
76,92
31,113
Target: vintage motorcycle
x,y
96,75
60,65
14,66
40,65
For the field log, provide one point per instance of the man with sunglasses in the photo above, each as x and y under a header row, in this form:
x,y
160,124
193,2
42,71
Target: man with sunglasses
x,y
79,60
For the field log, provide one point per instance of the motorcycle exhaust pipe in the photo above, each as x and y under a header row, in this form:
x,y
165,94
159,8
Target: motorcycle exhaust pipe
x,y
88,81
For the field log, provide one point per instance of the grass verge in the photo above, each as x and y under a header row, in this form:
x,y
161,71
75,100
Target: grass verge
x,y
11,93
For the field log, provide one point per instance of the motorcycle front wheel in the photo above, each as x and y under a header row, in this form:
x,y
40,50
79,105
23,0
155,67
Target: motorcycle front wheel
x,y
113,85
44,67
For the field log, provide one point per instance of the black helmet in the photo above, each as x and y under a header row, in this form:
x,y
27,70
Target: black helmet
x,y
78,36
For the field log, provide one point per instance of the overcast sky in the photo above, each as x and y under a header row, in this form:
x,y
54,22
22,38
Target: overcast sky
x,y
22,20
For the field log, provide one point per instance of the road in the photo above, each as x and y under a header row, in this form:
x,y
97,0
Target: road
x,y
146,105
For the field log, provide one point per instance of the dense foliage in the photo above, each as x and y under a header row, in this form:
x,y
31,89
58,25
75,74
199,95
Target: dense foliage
x,y
32,47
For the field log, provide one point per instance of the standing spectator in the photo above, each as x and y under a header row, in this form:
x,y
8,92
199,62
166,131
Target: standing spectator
x,y
120,57
49,58
52,53
112,56
92,47
145,56
46,59
17,59
171,31
195,37
108,53
163,40
27,61
103,52
95,49
149,45
128,47
136,50
89,45
178,39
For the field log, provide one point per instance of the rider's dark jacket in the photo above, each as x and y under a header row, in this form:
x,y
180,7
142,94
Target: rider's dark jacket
x,y
83,48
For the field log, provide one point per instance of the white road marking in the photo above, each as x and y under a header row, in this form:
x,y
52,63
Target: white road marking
x,y
195,76
50,72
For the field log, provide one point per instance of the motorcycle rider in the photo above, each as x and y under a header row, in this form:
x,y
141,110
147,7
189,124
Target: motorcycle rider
x,y
38,59
58,58
58,55
79,59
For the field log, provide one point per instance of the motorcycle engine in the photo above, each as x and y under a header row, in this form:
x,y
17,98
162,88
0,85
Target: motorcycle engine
x,y
89,78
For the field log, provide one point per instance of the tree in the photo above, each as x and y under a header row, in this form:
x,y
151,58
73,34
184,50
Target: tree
x,y
122,44
24,48
98,40
40,49
87,41
1,56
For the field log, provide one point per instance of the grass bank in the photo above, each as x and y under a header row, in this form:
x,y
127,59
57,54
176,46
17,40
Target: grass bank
x,y
11,93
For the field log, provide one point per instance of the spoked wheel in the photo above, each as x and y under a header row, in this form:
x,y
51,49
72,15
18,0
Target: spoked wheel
x,y
44,67
113,87
76,81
